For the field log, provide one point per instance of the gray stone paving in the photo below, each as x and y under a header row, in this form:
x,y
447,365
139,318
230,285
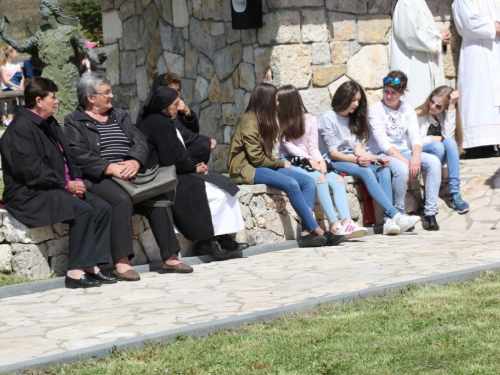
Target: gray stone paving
x,y
59,321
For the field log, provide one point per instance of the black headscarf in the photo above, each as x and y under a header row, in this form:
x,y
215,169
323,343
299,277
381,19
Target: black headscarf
x,y
159,81
156,102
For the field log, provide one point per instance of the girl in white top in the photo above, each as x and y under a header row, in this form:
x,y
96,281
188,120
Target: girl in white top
x,y
12,79
343,129
396,135
299,144
441,131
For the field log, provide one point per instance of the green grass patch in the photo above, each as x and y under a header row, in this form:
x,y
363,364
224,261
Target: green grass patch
x,y
1,187
11,279
451,329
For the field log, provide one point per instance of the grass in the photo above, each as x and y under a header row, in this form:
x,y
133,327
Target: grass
x,y
452,329
11,279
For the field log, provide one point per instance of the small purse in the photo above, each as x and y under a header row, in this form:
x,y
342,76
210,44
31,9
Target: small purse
x,y
149,184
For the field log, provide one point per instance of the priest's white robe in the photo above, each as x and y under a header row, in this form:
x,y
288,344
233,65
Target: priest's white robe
x,y
479,70
416,48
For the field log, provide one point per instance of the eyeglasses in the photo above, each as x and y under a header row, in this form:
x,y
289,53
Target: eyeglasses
x,y
436,104
106,94
394,80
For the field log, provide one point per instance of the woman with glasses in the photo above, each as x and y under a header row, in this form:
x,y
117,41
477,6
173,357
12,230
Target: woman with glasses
x,y
396,136
343,130
441,131
105,144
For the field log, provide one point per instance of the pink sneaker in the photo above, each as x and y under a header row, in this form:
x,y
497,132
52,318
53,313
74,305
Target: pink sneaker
x,y
351,230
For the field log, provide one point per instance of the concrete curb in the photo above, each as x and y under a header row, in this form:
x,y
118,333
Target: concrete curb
x,y
209,328
58,282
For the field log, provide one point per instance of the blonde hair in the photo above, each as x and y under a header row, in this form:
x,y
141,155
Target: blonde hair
x,y
6,51
444,92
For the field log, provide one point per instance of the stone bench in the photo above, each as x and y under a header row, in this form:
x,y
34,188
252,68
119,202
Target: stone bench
x,y
267,213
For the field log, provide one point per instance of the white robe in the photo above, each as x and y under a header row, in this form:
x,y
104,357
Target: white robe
x,y
479,71
416,47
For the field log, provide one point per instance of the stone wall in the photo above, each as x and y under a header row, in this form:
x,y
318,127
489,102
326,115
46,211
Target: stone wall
x,y
314,44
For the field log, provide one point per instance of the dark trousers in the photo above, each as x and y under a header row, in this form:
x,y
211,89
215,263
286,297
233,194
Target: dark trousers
x,y
160,220
89,232
199,151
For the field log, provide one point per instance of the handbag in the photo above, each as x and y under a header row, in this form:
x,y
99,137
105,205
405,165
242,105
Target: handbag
x,y
149,184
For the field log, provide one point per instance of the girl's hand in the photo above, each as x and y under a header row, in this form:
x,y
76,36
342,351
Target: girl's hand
x,y
322,166
414,167
437,138
314,164
454,96
288,165
363,161
384,162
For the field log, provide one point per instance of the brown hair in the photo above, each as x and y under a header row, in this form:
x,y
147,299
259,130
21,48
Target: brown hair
x,y
5,54
37,87
402,86
172,78
444,92
358,120
291,112
263,104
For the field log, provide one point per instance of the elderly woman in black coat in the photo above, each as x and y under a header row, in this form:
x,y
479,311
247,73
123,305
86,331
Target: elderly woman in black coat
x,y
43,185
206,207
105,143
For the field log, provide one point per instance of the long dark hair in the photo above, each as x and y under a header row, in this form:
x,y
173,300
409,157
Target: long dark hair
x,y
263,104
291,112
358,120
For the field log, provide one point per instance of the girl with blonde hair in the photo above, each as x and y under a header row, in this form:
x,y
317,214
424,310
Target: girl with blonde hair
x,y
12,78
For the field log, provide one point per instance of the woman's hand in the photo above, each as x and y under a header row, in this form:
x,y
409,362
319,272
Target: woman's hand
x,y
213,144
384,162
446,37
184,108
288,165
363,161
436,138
322,167
130,169
77,189
314,164
201,168
114,170
414,167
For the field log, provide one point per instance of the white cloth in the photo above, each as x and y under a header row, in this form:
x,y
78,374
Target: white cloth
x,y
392,128
416,47
225,210
447,121
479,71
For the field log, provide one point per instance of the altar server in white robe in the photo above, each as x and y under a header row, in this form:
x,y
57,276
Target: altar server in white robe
x,y
477,21
416,49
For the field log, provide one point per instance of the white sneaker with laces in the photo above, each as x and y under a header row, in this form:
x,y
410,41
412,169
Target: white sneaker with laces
x,y
391,227
405,222
351,230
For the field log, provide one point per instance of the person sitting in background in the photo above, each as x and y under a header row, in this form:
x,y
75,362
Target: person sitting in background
x,y
441,131
343,130
251,162
43,185
33,67
206,207
105,143
12,78
299,139
199,146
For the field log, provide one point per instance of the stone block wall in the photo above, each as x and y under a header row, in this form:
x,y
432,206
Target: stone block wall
x,y
314,44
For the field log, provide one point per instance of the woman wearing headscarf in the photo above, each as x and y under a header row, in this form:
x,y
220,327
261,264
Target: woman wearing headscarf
x,y
206,207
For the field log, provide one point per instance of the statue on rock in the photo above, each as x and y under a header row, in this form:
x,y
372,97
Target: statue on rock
x,y
55,44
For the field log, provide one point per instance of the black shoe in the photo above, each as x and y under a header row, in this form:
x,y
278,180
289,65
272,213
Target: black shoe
x,y
227,242
311,240
105,279
333,239
430,223
213,248
83,282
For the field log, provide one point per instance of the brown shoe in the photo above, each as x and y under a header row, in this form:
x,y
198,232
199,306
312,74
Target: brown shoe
x,y
178,268
129,275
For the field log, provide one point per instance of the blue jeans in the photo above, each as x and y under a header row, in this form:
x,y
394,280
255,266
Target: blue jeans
x,y
323,193
298,187
377,180
431,165
447,152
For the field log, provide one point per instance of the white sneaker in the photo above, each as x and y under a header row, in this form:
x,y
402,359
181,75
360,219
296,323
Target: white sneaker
x,y
405,222
351,230
390,227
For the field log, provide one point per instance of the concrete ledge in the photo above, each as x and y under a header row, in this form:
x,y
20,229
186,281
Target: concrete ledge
x,y
209,328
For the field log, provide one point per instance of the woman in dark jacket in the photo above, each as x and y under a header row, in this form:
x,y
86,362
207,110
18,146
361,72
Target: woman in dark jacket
x,y
43,185
105,143
206,207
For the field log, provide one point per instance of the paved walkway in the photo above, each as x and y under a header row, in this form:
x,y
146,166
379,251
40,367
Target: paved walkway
x,y
59,321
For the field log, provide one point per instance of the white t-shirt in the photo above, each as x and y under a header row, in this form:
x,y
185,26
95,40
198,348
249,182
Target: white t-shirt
x,y
393,128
